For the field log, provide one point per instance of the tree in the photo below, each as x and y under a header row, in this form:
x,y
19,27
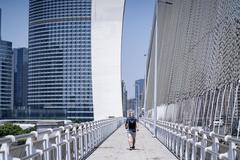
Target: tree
x,y
12,129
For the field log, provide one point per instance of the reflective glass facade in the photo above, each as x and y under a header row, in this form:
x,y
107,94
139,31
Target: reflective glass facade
x,y
60,81
20,82
6,79
139,93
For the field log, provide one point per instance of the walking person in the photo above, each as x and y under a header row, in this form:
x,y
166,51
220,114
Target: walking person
x,y
131,126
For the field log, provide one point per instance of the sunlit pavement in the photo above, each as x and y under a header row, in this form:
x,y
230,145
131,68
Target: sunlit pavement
x,y
116,147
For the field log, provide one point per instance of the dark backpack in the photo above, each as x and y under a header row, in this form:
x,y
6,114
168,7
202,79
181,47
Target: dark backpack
x,y
132,123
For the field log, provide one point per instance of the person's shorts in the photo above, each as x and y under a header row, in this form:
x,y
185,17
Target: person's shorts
x,y
131,134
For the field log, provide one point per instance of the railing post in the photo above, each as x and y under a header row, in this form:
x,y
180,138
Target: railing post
x,y
81,139
94,135
193,141
91,135
97,133
214,147
30,149
188,136
174,133
183,138
165,134
74,138
67,140
58,140
172,137
178,142
203,145
101,130
231,153
85,138
46,144
169,136
5,147
232,149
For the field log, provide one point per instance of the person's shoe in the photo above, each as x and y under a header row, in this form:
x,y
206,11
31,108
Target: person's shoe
x,y
133,147
130,148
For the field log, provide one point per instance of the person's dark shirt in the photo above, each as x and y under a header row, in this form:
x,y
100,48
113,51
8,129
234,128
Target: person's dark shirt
x,y
131,123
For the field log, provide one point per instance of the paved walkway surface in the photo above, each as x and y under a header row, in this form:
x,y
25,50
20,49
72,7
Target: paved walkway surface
x,y
116,147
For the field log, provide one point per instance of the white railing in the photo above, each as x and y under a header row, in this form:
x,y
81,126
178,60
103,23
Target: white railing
x,y
70,142
192,143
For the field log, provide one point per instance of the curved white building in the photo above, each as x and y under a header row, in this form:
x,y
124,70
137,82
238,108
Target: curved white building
x,y
107,22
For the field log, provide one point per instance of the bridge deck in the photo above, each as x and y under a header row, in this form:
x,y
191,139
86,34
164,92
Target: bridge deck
x,y
116,147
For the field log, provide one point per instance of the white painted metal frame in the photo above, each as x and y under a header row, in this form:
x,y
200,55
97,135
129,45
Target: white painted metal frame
x,y
70,142
155,72
191,143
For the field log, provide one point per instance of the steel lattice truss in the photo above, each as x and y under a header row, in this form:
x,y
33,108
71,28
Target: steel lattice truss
x,y
198,62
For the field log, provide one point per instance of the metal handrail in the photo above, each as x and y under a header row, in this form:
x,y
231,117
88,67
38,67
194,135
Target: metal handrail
x,y
184,141
79,140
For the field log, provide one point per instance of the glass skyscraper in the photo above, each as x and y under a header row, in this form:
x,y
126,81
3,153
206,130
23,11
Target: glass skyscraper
x,y
6,78
124,98
139,95
60,79
20,82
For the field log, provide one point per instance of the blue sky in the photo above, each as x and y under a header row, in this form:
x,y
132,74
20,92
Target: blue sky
x,y
136,34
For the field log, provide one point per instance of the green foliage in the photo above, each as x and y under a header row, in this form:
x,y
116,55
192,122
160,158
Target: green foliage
x,y
12,129
76,121
28,130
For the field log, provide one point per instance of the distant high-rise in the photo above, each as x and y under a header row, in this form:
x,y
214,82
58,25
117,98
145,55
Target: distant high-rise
x,y
131,105
74,59
139,95
20,81
6,78
124,99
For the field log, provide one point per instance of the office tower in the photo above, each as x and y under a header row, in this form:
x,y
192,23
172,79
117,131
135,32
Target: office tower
x,y
139,95
74,59
20,82
131,106
124,99
6,78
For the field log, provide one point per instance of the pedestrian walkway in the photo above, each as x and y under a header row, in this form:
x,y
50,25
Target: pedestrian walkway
x,y
116,147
